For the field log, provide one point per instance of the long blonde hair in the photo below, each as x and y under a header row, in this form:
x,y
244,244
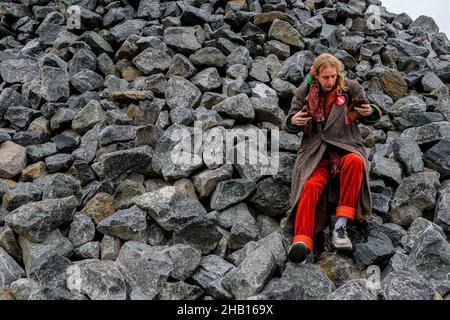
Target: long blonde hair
x,y
328,60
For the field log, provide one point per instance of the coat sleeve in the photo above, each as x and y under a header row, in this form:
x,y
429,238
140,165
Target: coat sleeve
x,y
357,91
298,101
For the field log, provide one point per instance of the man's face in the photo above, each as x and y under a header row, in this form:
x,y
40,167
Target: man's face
x,y
327,78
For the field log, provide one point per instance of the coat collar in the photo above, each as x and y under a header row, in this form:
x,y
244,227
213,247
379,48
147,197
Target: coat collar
x,y
336,111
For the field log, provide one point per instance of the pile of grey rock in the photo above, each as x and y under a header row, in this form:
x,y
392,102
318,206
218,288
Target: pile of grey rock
x,y
93,206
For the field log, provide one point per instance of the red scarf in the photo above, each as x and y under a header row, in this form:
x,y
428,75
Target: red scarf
x,y
320,107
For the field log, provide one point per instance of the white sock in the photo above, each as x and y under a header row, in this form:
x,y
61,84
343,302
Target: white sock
x,y
342,221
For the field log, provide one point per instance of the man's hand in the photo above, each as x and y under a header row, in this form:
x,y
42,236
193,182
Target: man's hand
x,y
365,110
301,118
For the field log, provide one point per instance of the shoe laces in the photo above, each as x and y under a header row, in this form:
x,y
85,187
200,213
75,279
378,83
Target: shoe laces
x,y
342,232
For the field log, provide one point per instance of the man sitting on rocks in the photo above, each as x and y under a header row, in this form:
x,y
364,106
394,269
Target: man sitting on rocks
x,y
326,109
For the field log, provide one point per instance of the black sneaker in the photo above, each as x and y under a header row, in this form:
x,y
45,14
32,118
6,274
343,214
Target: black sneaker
x,y
340,239
298,252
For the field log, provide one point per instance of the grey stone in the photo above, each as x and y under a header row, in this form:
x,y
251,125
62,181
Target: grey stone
x,y
408,153
207,118
98,44
380,203
88,145
238,107
181,115
442,209
206,181
207,79
9,244
181,66
431,82
13,159
267,111
110,248
208,56
170,207
294,67
252,274
22,288
82,230
407,105
315,282
183,38
277,289
230,192
20,117
428,133
181,93
87,117
416,230
125,192
284,32
21,194
39,152
19,71
86,80
117,133
50,270
116,163
180,291
199,232
51,293
376,250
127,224
238,213
438,158
404,285
55,241
152,61
426,24
89,250
353,290
242,233
60,185
185,260
127,28
209,276
10,270
415,194
270,198
99,280
59,162
145,269
37,219
386,168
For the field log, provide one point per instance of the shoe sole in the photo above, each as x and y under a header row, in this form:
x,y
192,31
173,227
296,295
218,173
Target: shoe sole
x,y
342,247
298,252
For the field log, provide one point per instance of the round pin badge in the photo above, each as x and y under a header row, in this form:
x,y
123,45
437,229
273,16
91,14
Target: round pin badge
x,y
340,100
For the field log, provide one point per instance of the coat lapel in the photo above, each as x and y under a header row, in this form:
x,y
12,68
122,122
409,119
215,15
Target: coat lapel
x,y
335,113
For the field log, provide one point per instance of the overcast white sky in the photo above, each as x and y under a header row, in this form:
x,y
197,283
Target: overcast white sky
x,y
437,9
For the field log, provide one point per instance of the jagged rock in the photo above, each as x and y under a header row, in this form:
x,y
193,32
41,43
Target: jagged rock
x,y
13,159
209,56
441,215
22,288
99,207
183,38
59,162
404,285
10,270
437,158
422,187
91,114
60,185
238,213
238,107
99,280
230,192
110,248
170,207
55,241
89,250
376,250
180,291
387,168
270,198
315,282
50,270
9,244
185,260
37,219
145,269
127,224
408,153
210,274
82,230
432,132
198,232
353,290
21,194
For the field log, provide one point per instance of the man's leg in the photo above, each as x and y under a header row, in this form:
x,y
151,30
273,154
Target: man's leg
x,y
309,198
351,175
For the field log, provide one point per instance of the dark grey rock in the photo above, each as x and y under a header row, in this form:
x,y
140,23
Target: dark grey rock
x,y
199,232
180,291
37,219
207,79
208,56
353,290
432,132
185,260
152,61
230,192
181,93
387,169
82,230
89,250
60,185
91,114
314,280
377,250
422,188
183,38
127,224
270,198
209,276
10,270
242,233
170,207
50,270
404,285
86,80
117,133
59,162
9,244
437,158
145,269
21,194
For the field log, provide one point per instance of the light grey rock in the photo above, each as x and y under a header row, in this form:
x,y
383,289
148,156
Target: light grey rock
x,y
387,169
180,291
238,213
82,230
353,290
99,280
238,107
206,181
185,260
87,117
89,250
50,270
110,248
13,159
183,38
404,285
432,132
22,288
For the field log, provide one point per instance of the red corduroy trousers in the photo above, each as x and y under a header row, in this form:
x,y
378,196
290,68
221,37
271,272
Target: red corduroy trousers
x,y
351,175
